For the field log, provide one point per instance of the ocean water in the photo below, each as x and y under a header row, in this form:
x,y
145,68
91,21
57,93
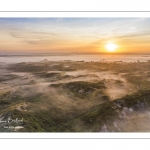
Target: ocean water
x,y
75,57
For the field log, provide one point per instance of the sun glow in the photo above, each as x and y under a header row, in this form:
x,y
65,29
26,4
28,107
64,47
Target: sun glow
x,y
111,47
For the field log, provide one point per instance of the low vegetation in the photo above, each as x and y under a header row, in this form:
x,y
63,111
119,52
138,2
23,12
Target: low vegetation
x,y
81,88
49,99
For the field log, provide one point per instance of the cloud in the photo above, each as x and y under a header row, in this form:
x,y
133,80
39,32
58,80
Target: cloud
x,y
133,35
16,35
37,42
33,37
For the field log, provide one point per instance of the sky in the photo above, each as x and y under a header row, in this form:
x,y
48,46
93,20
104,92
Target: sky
x,y
69,35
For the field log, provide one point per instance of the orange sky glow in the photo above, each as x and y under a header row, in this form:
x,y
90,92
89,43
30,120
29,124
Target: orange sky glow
x,y
68,35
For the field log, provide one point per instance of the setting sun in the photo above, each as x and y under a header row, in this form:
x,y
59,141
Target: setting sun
x,y
111,47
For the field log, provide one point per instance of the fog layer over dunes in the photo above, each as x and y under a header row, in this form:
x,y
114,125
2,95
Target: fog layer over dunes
x,y
59,96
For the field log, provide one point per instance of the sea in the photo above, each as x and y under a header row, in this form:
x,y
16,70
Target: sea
x,y
17,58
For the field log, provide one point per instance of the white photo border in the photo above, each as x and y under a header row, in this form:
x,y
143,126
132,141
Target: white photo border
x,y
74,14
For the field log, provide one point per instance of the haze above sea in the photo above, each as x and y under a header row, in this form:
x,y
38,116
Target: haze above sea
x,y
18,58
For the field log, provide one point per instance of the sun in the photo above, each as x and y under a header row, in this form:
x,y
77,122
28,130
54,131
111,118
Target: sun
x,y
111,47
